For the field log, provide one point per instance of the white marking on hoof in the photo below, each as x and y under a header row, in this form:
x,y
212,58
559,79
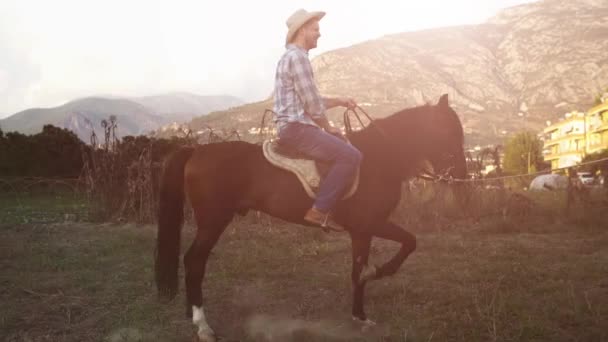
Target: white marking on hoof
x,y
368,273
365,324
204,333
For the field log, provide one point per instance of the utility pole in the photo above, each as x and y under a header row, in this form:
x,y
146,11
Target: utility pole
x,y
585,133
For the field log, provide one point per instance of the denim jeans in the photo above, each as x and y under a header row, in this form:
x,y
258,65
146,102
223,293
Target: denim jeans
x,y
320,145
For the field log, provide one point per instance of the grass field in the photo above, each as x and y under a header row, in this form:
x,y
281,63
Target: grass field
x,y
26,208
269,281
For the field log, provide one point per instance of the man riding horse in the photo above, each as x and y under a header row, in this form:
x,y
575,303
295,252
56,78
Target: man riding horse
x,y
301,121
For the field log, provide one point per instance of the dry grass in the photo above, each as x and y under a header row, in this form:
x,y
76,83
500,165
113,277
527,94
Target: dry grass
x,y
479,280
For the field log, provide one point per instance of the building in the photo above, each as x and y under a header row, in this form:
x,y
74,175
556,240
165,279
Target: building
x,y
568,141
597,128
565,141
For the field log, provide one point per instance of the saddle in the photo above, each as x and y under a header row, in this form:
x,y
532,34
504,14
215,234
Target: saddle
x,y
308,171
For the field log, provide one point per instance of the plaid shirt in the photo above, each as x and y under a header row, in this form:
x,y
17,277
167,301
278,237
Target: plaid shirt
x,y
296,97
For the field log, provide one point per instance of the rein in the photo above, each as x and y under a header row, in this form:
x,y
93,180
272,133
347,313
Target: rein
x,y
431,176
348,127
263,124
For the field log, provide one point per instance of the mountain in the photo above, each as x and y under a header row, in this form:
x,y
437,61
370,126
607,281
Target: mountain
x,y
83,115
134,116
181,106
528,64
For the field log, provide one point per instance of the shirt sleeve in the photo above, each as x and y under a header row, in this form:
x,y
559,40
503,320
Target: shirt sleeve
x,y
306,88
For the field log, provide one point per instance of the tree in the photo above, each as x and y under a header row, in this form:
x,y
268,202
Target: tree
x,y
3,152
57,153
597,162
54,152
14,159
598,97
523,154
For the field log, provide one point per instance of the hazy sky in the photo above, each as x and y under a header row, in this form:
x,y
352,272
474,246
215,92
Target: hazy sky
x,y
54,51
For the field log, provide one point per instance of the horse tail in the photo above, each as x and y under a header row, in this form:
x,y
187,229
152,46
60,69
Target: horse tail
x,y
170,221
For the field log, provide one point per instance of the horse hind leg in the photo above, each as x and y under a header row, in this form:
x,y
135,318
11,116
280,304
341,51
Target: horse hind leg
x,y
211,223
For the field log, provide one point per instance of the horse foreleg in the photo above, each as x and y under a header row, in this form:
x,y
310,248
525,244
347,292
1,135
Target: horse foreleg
x,y
209,230
360,245
393,232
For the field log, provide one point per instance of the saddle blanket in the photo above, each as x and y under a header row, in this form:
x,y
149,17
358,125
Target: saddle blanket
x,y
306,170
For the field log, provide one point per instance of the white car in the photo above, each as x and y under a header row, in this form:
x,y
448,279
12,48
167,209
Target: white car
x,y
586,178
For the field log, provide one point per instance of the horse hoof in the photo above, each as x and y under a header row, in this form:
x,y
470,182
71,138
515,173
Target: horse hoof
x,y
366,324
206,336
368,273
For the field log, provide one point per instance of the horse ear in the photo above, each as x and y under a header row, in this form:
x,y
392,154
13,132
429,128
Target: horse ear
x,y
443,101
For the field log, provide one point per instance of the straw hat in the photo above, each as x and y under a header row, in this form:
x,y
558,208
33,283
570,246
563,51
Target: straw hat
x,y
297,19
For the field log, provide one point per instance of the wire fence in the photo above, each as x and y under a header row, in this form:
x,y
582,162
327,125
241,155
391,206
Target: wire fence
x,y
114,186
542,172
42,200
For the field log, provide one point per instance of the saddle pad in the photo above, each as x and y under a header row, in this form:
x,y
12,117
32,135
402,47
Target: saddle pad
x,y
304,169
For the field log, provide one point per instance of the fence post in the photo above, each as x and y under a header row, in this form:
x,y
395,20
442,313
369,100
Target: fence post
x,y
569,193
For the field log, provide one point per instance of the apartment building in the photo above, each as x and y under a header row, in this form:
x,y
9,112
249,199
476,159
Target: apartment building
x,y
569,140
597,128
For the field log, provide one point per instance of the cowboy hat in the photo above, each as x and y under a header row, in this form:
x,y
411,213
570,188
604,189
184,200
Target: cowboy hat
x,y
297,19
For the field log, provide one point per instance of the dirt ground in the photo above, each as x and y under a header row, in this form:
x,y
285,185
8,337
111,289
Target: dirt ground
x,y
271,281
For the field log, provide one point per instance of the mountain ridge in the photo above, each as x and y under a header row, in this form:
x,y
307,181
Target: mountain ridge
x,y
135,115
529,64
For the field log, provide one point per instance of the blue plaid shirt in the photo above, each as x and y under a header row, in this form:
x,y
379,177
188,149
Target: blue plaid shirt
x,y
296,97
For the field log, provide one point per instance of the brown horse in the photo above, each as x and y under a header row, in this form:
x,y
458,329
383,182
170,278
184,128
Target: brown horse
x,y
232,177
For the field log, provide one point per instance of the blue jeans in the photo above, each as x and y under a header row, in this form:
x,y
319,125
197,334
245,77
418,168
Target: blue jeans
x,y
320,145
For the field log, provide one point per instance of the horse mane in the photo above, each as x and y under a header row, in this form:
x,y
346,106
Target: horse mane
x,y
426,116
415,121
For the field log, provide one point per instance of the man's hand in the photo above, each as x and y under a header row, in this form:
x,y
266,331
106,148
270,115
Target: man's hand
x,y
348,102
331,102
335,132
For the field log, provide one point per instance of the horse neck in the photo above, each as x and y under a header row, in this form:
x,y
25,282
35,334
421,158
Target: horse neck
x,y
384,152
381,158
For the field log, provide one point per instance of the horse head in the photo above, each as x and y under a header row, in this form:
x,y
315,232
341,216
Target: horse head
x,y
445,141
429,134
